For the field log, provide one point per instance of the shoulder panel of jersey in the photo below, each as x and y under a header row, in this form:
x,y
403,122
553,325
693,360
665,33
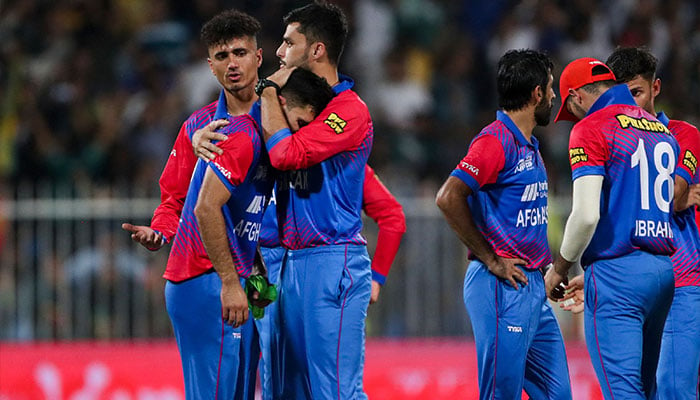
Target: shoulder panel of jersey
x,y
485,157
241,150
200,118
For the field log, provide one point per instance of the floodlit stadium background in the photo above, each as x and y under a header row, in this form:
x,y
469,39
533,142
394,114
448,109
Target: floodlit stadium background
x,y
94,92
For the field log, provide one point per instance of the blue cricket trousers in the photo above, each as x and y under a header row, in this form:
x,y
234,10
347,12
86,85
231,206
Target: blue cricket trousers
x,y
679,362
627,300
518,341
324,295
268,328
218,361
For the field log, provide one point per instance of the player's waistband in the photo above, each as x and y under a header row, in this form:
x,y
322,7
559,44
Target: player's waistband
x,y
350,249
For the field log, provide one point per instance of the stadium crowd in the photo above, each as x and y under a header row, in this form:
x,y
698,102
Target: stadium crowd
x,y
95,91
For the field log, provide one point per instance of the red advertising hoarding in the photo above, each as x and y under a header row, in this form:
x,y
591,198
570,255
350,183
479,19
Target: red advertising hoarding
x,y
395,369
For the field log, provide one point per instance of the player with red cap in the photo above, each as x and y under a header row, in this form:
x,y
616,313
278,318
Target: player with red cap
x,y
623,165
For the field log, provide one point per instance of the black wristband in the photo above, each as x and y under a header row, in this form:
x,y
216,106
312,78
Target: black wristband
x,y
263,83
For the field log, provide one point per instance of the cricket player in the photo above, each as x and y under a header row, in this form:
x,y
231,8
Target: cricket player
x,y
496,202
679,361
325,282
623,163
380,205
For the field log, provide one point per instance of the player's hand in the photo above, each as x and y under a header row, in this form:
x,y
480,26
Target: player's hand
x,y
254,297
145,236
552,281
281,76
234,302
376,287
507,268
573,299
694,195
203,137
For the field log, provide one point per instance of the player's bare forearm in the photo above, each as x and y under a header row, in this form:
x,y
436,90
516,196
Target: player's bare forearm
x,y
452,201
212,228
555,276
684,195
272,116
376,288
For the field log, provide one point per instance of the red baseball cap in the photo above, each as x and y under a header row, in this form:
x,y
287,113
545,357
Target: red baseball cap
x,y
579,73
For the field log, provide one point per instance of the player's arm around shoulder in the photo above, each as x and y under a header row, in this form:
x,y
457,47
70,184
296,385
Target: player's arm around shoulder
x,y
344,125
214,194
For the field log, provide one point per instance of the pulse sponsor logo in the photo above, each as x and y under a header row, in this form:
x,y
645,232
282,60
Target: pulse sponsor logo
x,y
641,123
336,123
690,161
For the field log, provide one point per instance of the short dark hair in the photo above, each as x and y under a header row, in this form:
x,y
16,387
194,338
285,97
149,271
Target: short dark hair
x,y
322,22
628,62
519,72
306,88
227,25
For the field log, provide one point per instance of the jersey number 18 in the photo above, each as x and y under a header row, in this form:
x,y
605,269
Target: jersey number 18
x,y
663,173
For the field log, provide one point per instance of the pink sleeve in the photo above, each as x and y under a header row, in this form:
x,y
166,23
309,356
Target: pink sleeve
x,y
232,166
688,138
380,205
484,160
342,126
587,147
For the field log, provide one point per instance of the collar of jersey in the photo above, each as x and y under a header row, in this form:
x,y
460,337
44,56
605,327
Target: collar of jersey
x,y
618,94
345,83
661,116
221,109
505,119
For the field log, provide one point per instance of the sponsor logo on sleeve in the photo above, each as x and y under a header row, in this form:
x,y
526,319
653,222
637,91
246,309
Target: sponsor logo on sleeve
x,y
577,155
641,123
468,167
336,123
223,170
690,161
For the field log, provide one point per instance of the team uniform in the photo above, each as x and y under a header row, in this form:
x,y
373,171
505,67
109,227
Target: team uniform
x,y
628,271
378,204
679,361
325,281
218,361
518,341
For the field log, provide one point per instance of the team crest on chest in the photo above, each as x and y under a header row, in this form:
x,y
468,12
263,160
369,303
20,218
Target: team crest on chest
x,y
525,164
